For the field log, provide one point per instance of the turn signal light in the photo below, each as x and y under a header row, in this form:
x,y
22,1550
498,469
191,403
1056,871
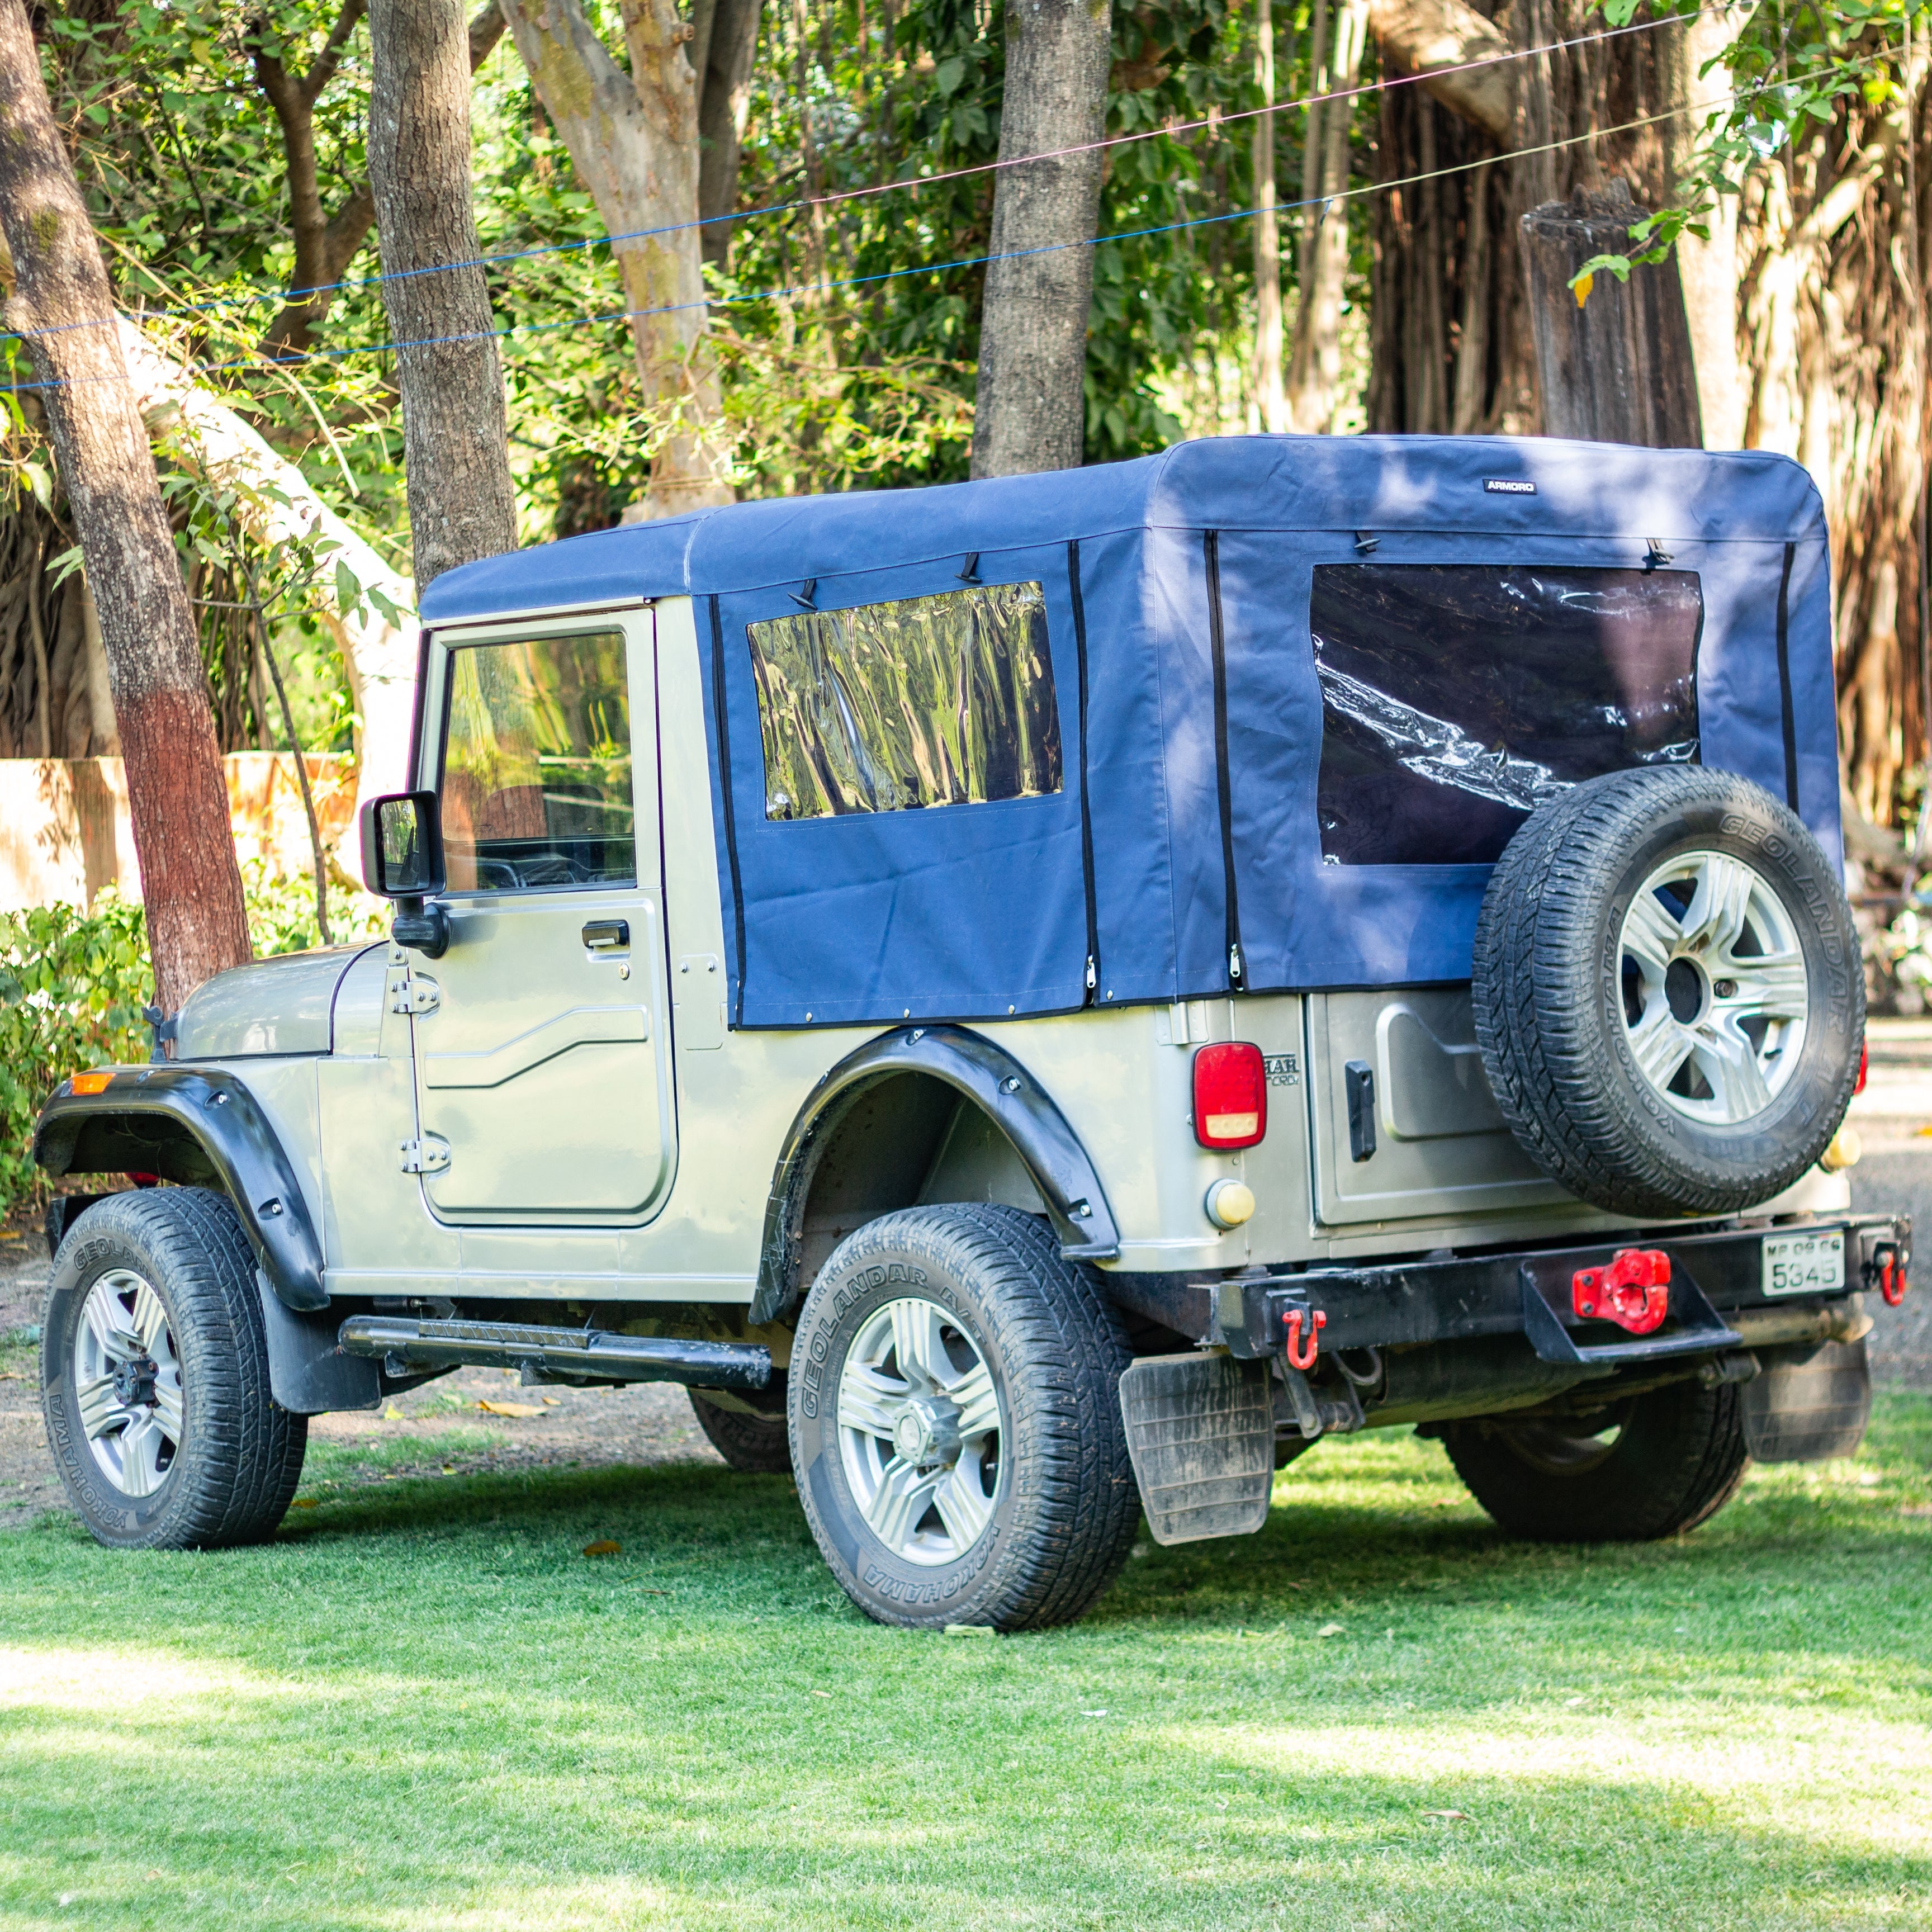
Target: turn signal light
x,y
92,1083
1230,1095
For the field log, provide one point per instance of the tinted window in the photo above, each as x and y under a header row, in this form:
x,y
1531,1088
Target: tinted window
x,y
929,701
1455,698
536,767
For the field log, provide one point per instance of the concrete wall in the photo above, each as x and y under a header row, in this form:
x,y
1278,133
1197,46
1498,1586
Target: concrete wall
x,y
64,830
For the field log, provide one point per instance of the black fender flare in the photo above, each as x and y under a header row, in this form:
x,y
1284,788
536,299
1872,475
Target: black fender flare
x,y
997,1084
137,1123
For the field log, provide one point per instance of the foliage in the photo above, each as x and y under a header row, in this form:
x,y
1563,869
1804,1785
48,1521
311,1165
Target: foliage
x,y
71,988
421,1705
1788,62
73,984
281,911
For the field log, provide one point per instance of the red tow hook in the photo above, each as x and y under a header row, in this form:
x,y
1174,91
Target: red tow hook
x,y
1633,1291
1317,1322
1890,1268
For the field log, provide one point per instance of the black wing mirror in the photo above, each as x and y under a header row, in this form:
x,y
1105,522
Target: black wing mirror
x,y
402,859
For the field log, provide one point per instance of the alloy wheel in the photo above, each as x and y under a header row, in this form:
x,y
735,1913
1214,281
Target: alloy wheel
x,y
1714,989
127,1383
919,1422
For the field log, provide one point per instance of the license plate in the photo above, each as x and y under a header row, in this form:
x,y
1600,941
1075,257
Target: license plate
x,y
1804,1264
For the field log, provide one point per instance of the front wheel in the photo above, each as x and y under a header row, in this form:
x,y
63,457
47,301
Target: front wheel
x,y
154,1377
955,1422
1652,1465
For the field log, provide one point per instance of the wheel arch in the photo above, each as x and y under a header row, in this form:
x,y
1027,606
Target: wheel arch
x,y
911,1069
200,1126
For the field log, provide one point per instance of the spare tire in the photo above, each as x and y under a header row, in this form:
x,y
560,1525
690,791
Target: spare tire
x,y
1669,995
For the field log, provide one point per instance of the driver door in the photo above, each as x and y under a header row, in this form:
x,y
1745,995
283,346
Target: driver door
x,y
541,1050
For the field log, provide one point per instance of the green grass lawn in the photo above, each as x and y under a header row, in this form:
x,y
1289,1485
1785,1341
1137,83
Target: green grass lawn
x,y
421,1706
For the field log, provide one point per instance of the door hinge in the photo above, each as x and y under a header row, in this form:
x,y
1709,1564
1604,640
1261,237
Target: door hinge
x,y
414,995
430,1155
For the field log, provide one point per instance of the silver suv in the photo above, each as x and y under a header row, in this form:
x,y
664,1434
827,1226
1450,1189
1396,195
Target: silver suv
x,y
1040,1001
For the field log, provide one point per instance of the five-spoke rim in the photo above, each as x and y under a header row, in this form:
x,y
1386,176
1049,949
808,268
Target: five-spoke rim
x,y
919,1431
1714,987
127,1383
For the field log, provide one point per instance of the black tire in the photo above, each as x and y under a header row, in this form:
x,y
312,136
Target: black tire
x,y
1676,1458
1054,1478
747,1442
228,1477
1558,990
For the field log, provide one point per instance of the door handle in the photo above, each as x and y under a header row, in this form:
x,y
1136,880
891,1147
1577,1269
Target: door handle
x,y
607,935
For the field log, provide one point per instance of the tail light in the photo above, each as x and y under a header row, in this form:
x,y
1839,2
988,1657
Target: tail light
x,y
1864,1066
1230,1095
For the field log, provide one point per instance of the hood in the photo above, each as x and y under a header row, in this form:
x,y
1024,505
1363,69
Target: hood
x,y
278,1005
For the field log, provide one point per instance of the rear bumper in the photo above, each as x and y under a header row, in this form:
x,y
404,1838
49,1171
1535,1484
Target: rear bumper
x,y
1716,1275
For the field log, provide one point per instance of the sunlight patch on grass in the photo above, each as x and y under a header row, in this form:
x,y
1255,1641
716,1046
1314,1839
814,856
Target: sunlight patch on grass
x,y
422,1707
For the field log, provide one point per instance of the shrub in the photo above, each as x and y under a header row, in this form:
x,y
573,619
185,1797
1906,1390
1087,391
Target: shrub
x,y
71,987
73,983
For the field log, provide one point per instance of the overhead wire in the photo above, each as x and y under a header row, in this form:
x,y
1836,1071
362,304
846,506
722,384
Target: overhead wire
x,y
909,183
1360,191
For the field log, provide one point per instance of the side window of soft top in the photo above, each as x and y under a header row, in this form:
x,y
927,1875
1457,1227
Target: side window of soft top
x,y
924,701
535,783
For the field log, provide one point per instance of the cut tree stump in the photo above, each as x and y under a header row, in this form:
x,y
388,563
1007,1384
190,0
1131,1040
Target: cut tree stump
x,y
1618,369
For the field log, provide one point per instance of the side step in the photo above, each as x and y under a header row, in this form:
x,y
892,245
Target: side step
x,y
407,1346
1201,1432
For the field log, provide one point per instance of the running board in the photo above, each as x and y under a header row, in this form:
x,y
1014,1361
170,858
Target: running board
x,y
407,1347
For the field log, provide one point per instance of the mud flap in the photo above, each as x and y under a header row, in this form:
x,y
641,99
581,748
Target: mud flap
x,y
1201,1432
1810,1403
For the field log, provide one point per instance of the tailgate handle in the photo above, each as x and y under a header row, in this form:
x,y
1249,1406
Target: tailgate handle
x,y
607,935
1359,1081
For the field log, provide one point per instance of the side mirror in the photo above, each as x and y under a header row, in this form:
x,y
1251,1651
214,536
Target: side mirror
x,y
402,859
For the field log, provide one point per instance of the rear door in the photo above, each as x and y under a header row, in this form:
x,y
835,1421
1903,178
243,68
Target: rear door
x,y
1406,1127
542,1051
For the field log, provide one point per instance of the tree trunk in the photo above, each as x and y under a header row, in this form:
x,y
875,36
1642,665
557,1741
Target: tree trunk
x,y
1451,348
1271,400
1708,267
1835,233
1031,412
326,245
722,47
1615,367
634,140
455,442
275,503
1315,374
196,924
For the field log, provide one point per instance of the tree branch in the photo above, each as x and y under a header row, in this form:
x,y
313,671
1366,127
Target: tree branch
x,y
336,238
1423,36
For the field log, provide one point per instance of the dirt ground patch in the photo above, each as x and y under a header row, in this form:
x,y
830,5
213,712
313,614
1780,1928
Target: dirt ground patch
x,y
434,1429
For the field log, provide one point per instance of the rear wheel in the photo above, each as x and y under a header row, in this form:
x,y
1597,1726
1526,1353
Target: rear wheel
x,y
1652,1465
154,1377
755,1444
955,1422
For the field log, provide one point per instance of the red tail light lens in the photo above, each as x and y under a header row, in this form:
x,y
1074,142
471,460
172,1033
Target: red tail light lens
x,y
1230,1095
1864,1066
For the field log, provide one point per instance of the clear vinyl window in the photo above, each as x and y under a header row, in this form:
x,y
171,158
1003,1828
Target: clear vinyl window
x,y
536,766
1457,697
925,701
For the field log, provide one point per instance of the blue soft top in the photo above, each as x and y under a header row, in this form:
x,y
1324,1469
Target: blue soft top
x,y
1200,788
